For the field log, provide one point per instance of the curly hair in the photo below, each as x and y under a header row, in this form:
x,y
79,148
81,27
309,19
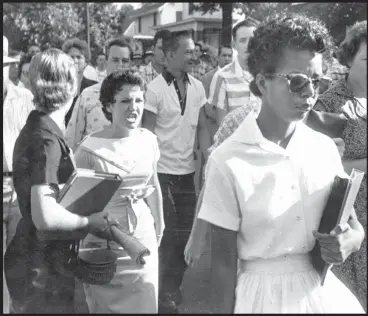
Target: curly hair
x,y
82,46
114,83
25,59
278,32
355,36
53,79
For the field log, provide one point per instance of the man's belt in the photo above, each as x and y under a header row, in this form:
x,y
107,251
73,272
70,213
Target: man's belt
x,y
7,174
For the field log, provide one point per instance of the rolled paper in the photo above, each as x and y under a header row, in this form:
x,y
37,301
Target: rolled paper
x,y
131,245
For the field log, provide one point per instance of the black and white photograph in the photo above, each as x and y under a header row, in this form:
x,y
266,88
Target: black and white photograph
x,y
184,158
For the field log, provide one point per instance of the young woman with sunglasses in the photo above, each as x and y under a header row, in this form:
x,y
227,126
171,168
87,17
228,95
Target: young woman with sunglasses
x,y
267,185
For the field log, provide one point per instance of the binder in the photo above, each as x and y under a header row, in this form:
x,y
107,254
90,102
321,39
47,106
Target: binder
x,y
87,191
337,211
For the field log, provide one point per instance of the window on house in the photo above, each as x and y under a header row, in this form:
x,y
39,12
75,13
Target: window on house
x,y
139,25
179,16
154,19
190,9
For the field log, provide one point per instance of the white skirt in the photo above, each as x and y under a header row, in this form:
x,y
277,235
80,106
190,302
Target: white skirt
x,y
290,284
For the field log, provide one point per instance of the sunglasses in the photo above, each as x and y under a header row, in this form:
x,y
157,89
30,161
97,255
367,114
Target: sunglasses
x,y
298,82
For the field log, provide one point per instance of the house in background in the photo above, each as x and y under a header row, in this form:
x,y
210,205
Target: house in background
x,y
176,17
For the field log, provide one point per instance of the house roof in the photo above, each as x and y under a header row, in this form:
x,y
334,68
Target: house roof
x,y
146,9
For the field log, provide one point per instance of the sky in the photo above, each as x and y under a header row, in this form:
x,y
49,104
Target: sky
x,y
136,5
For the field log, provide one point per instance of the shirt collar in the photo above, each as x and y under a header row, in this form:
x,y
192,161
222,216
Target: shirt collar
x,y
249,133
169,78
42,121
239,70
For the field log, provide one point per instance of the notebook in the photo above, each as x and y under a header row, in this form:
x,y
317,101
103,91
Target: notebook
x,y
337,211
87,191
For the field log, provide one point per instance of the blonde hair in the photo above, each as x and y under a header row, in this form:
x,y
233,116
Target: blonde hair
x,y
53,79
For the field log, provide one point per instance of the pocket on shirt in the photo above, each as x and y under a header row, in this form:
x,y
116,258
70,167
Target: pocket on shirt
x,y
189,125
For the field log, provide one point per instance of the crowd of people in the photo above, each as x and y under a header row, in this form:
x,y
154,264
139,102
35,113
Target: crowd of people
x,y
267,169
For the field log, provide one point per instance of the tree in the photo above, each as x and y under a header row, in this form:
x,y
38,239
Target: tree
x,y
336,16
50,24
227,19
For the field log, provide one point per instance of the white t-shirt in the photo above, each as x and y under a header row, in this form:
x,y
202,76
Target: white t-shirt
x,y
175,132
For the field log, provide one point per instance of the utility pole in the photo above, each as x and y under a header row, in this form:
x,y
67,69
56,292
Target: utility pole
x,y
87,28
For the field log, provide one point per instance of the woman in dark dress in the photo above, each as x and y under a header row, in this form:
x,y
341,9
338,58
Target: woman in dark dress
x,y
79,51
41,163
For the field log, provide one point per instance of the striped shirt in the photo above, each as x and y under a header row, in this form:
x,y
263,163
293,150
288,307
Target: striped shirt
x,y
17,105
230,89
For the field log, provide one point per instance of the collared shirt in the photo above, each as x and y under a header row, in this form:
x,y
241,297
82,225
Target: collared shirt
x,y
273,197
175,132
148,73
230,89
200,69
229,125
16,108
87,116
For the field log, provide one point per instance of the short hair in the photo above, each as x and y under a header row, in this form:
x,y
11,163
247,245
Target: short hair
x,y
113,83
121,42
172,43
162,34
33,44
224,46
355,36
200,46
278,32
53,79
78,44
247,23
25,59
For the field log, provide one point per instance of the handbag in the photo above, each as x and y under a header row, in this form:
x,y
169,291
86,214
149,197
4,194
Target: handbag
x,y
330,124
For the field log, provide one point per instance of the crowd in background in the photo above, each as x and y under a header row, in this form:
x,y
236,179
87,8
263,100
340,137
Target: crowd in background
x,y
265,172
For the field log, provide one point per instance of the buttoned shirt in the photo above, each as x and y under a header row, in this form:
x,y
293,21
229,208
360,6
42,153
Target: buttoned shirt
x,y
148,73
273,197
87,116
230,89
176,121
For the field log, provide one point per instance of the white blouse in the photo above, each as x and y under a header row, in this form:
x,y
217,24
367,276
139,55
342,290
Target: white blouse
x,y
273,197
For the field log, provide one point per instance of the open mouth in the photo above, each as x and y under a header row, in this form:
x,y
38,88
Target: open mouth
x,y
132,118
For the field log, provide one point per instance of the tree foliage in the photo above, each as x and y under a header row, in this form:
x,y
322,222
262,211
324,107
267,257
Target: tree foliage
x,y
50,24
336,16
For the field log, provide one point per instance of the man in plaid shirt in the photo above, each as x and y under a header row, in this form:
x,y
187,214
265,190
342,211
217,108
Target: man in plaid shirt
x,y
157,65
200,68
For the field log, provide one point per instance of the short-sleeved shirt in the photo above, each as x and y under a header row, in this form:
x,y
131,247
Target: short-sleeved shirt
x,y
230,89
175,126
41,156
273,197
87,116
